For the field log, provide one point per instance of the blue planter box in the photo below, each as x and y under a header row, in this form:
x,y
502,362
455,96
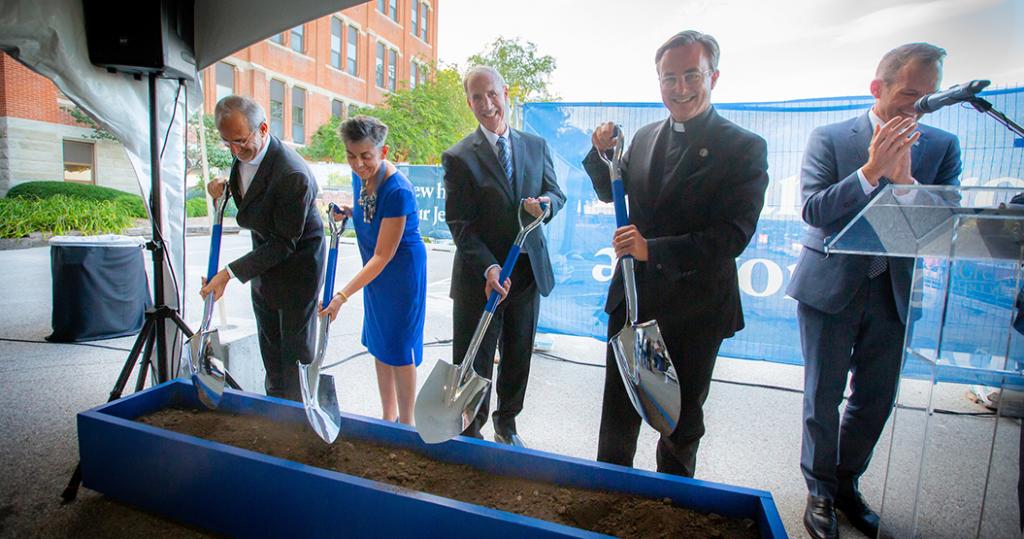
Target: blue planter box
x,y
243,493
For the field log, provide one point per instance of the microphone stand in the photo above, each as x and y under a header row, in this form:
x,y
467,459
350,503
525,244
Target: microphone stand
x,y
983,106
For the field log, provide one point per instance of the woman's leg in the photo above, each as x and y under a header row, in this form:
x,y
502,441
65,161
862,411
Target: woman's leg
x,y
405,386
386,386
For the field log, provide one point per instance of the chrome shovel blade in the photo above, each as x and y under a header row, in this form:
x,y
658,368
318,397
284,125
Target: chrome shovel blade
x,y
205,370
443,407
320,401
648,374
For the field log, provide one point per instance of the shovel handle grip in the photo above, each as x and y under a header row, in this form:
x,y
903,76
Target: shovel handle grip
x,y
332,261
506,270
211,268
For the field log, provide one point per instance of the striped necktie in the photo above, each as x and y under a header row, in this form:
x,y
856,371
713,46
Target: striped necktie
x,y
505,157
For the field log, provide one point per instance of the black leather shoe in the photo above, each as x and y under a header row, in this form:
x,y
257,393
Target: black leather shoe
x,y
509,438
862,517
820,518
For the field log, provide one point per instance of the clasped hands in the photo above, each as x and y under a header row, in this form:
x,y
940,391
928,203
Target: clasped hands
x,y
889,151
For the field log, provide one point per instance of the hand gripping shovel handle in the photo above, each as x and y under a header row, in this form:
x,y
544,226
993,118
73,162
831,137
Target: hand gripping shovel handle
x,y
621,220
332,254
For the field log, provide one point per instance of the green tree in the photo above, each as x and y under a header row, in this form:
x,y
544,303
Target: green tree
x,y
81,117
422,122
217,155
526,73
325,145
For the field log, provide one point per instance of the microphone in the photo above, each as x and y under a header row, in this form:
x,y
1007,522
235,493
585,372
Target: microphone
x,y
956,94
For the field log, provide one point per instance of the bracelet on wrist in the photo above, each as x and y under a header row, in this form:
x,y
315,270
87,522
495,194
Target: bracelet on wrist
x,y
344,298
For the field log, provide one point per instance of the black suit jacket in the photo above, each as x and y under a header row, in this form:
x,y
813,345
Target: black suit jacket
x,y
286,264
696,224
481,208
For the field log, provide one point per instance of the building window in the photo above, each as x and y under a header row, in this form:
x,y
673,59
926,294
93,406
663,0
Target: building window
x,y
424,21
225,75
337,108
277,108
382,6
414,19
78,162
392,68
380,65
297,42
298,115
351,65
336,43
413,68
393,10
278,38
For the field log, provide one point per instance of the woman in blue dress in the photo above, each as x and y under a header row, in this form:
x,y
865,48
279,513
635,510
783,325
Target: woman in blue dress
x,y
394,273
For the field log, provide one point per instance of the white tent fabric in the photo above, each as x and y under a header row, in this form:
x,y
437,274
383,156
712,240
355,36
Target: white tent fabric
x,y
48,36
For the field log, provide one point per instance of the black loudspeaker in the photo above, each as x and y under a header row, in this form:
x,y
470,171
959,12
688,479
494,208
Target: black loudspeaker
x,y
141,36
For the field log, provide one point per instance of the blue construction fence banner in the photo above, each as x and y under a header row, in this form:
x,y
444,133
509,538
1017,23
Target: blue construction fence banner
x,y
579,236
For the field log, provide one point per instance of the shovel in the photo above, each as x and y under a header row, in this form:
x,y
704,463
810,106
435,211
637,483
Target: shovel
x,y
452,394
640,351
318,395
207,372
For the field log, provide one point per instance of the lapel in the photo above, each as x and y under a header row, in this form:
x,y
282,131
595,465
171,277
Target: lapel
x,y
518,163
860,138
261,180
917,155
641,152
234,181
489,161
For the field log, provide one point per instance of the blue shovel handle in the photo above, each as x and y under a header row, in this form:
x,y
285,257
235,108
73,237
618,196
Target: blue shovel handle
x,y
211,269
332,261
506,270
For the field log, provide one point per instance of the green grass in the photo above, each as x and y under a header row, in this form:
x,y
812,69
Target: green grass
x,y
61,214
45,190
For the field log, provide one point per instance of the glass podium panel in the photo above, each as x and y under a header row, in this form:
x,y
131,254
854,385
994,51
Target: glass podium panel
x,y
953,465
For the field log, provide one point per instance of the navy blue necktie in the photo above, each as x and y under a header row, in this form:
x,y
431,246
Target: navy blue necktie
x,y
505,157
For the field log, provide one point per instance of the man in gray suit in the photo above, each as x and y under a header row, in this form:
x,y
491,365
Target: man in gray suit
x,y
276,197
486,175
852,310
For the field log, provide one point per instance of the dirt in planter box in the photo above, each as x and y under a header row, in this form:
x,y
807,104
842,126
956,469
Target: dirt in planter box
x,y
603,512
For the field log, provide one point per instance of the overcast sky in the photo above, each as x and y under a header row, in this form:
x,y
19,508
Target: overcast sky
x,y
771,49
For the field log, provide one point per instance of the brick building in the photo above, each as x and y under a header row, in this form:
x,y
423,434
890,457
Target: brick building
x,y
302,77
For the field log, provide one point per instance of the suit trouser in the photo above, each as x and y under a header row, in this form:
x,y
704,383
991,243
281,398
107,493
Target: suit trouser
x,y
287,336
515,324
865,338
693,355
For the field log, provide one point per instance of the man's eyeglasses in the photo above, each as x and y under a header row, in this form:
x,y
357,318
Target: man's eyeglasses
x,y
691,78
239,143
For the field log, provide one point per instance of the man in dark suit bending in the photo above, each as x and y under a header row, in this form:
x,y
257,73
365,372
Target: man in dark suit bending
x,y
696,185
486,175
275,193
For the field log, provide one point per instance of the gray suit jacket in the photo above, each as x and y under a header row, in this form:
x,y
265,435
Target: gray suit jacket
x,y
286,264
481,207
833,196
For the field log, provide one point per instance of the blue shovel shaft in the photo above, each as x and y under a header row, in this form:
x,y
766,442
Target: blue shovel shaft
x,y
332,261
506,270
211,269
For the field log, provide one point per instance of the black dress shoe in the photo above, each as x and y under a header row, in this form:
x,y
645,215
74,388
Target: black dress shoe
x,y
820,518
509,438
852,505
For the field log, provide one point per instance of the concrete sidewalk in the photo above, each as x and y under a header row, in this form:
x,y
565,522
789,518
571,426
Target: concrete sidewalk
x,y
753,414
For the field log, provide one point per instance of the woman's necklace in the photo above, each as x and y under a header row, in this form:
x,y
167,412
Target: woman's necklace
x,y
368,201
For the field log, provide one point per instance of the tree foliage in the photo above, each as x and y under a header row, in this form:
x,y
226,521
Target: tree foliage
x,y
526,72
422,122
81,117
218,156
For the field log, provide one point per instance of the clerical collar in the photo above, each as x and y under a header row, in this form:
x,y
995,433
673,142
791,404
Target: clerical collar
x,y
693,123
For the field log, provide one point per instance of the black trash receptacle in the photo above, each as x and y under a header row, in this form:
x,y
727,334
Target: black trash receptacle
x,y
99,287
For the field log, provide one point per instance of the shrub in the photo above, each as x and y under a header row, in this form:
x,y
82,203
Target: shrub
x,y
42,190
61,214
195,207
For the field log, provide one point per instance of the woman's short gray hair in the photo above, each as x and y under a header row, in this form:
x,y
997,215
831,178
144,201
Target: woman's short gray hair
x,y
362,128
252,110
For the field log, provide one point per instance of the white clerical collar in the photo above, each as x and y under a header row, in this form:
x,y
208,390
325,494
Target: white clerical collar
x,y
259,156
678,127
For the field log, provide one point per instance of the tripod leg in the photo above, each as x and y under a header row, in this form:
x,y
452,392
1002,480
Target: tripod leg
x,y
147,355
143,341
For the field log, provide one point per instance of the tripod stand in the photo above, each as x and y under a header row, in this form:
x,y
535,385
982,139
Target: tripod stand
x,y
154,331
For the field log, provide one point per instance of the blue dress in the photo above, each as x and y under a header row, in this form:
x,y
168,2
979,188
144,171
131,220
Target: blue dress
x,y
394,304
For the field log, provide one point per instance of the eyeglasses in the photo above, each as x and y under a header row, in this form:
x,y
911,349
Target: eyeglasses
x,y
239,144
691,78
